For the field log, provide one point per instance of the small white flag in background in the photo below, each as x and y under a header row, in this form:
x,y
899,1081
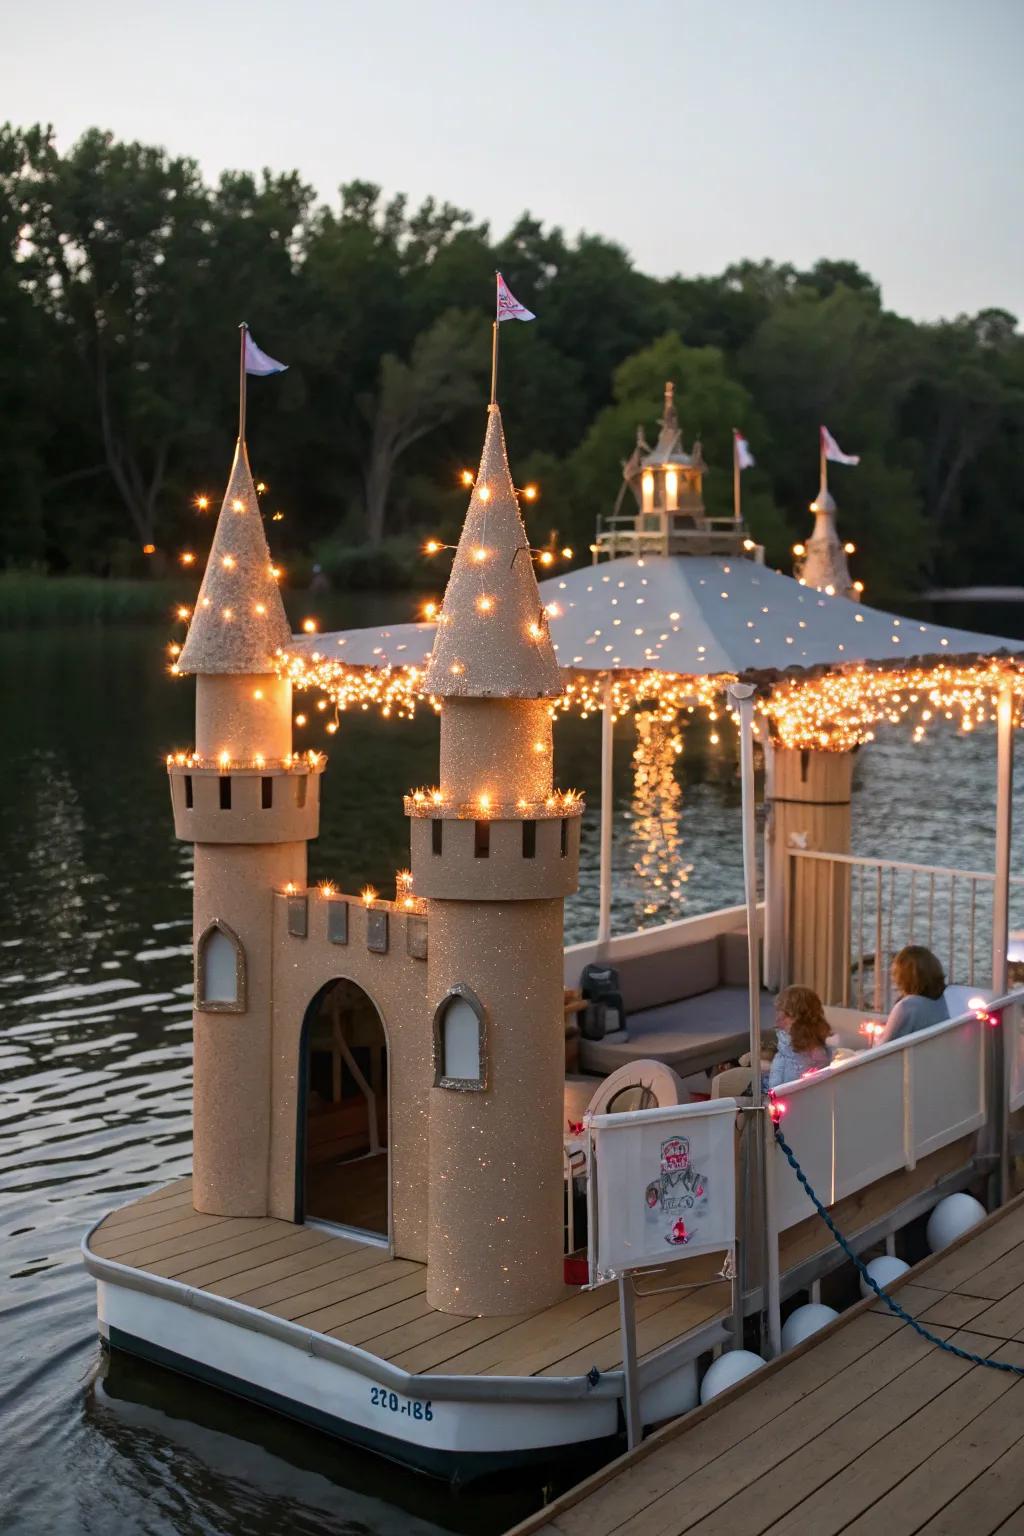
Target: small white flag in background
x,y
744,458
509,307
258,362
833,451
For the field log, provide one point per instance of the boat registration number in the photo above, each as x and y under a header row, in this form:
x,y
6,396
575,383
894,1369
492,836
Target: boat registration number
x,y
414,1408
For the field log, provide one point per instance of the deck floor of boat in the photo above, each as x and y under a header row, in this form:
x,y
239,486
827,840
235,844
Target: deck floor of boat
x,y
354,1292
869,1429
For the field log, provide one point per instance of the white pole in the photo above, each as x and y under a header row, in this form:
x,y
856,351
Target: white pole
x,y
1001,1068
735,479
1004,832
604,900
773,892
761,1146
742,695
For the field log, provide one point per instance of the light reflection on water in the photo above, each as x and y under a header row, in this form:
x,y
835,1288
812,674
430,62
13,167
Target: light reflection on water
x,y
95,1062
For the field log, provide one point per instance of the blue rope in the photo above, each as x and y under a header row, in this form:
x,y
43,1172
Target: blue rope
x,y
894,1306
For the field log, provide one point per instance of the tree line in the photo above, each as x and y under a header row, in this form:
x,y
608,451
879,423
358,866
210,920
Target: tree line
x,y
124,274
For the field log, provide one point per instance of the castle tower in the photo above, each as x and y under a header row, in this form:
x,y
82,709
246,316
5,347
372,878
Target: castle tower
x,y
249,807
495,852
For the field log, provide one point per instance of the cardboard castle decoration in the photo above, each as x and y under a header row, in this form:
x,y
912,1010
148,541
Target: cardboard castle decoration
x,y
667,515
392,1067
821,562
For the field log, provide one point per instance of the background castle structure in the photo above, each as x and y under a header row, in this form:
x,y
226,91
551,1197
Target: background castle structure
x,y
473,1018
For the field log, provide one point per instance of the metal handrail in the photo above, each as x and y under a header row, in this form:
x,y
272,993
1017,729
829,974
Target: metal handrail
x,y
924,869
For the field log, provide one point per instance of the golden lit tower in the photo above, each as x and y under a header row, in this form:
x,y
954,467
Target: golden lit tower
x,y
495,851
249,807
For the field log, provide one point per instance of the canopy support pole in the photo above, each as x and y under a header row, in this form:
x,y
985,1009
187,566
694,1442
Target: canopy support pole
x,y
604,900
1004,830
761,1149
998,1075
742,695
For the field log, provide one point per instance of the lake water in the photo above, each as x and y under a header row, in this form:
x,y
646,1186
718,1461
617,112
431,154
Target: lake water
x,y
95,1055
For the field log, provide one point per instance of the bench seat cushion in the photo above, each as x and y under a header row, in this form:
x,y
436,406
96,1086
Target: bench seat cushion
x,y
688,1035
648,981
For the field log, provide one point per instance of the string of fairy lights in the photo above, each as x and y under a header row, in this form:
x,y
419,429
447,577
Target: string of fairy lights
x,y
833,712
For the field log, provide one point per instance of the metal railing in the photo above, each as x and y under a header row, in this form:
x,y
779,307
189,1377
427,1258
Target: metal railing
x,y
890,903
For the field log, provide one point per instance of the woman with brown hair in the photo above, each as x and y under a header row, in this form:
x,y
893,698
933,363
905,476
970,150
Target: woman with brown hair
x,y
802,1030
917,976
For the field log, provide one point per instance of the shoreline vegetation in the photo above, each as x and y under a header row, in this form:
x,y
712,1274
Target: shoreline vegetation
x,y
29,601
124,273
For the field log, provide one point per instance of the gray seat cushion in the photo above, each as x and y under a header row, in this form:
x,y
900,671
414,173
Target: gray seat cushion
x,y
649,981
688,1035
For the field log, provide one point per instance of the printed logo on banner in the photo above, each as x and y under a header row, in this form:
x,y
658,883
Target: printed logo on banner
x,y
678,1195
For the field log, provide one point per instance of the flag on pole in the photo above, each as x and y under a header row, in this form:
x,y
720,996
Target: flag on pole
x,y
831,449
258,362
509,307
744,458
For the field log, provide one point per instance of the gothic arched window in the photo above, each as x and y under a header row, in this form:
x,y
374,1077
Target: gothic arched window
x,y
460,1042
220,970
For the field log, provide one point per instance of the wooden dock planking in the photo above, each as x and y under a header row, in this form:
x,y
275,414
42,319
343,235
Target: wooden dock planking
x,y
867,1428
354,1292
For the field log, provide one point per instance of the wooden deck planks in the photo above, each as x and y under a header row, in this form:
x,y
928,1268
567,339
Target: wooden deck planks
x,y
869,1428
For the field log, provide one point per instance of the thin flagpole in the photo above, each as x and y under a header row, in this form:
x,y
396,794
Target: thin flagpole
x,y
242,329
494,363
823,466
735,477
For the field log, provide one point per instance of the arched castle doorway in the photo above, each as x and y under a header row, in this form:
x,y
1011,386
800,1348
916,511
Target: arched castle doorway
x,y
343,1168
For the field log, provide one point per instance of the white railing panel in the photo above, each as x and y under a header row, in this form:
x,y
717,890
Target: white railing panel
x,y
1013,1024
807,1127
869,1120
946,1081
661,1186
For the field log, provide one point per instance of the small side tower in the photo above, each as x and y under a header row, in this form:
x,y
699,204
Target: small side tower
x,y
249,807
821,562
495,850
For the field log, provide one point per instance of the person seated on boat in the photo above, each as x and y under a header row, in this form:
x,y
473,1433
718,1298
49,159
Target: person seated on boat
x,y
917,976
801,1031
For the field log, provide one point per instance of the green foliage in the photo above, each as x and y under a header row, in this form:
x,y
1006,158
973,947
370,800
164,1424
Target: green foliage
x,y
123,276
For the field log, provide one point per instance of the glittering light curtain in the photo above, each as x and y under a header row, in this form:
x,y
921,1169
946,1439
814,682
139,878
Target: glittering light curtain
x,y
655,835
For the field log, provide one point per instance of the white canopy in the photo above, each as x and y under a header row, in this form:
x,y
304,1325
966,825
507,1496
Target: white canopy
x,y
690,615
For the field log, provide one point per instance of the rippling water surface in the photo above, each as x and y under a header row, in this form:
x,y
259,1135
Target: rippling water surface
x,y
95,1057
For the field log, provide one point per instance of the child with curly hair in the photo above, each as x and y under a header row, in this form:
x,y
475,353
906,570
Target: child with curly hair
x,y
802,1031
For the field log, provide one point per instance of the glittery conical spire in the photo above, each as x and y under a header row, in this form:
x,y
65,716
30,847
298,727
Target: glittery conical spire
x,y
239,621
492,634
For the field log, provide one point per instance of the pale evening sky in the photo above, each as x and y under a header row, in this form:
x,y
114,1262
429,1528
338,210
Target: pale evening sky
x,y
886,131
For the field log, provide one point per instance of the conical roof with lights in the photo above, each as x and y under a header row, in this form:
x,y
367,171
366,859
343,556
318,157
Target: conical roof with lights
x,y
239,623
492,636
824,562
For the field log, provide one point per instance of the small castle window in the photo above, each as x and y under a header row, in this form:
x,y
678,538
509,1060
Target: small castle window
x,y
188,791
564,843
225,793
460,1038
481,839
220,971
267,794
529,839
436,837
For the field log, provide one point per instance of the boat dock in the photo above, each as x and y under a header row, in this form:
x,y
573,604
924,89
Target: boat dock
x,y
866,1427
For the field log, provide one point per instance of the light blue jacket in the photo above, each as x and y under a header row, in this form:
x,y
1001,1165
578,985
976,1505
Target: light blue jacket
x,y
788,1065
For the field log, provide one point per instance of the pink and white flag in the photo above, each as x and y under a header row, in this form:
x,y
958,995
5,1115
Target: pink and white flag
x,y
509,307
833,451
259,362
744,458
